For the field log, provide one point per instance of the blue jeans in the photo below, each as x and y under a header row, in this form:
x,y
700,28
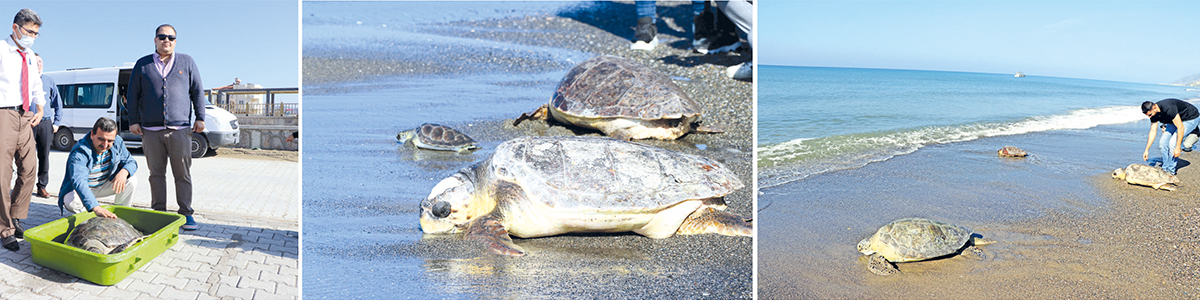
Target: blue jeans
x,y
1166,143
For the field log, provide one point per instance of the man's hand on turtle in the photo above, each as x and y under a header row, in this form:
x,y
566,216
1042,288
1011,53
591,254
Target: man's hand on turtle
x,y
101,212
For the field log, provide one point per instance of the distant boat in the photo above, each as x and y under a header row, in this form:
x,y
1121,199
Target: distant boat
x,y
1019,75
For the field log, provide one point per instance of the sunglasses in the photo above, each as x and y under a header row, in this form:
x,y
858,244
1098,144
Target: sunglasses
x,y
163,37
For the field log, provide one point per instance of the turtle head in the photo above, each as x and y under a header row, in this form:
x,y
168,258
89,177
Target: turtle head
x,y
864,246
1119,174
446,209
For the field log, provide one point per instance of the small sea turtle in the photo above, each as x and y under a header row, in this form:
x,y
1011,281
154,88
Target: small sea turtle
x,y
915,239
543,186
437,137
1010,151
1140,174
104,236
624,100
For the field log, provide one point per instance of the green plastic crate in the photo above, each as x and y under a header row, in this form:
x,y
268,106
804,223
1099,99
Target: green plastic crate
x,y
47,244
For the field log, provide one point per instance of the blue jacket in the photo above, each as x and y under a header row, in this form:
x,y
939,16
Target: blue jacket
x,y
53,101
79,166
157,101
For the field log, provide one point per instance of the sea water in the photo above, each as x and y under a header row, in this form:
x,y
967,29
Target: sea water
x,y
813,120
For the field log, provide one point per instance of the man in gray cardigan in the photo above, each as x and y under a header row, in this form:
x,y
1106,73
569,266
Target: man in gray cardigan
x,y
164,92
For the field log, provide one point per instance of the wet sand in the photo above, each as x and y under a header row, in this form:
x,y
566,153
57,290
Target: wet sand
x,y
362,189
1064,228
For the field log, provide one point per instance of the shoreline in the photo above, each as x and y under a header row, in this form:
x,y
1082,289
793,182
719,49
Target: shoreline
x,y
367,236
1064,227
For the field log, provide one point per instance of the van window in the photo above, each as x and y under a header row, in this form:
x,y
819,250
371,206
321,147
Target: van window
x,y
97,95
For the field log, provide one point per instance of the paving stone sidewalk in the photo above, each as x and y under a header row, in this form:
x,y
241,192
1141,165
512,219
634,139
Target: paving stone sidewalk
x,y
247,246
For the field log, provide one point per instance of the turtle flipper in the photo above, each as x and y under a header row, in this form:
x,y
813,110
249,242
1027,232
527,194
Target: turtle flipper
x,y
881,266
540,114
493,235
709,220
1166,186
96,246
120,248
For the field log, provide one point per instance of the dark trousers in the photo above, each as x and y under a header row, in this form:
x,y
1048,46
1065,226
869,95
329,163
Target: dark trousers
x,y
43,135
174,147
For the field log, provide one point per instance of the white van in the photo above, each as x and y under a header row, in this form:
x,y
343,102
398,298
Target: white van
x,y
91,93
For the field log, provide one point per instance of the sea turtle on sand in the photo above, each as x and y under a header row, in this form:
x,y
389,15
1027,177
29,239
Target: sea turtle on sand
x,y
104,236
916,239
1010,151
624,100
437,137
1140,174
543,186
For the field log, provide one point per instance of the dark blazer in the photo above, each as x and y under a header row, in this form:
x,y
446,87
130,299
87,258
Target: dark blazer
x,y
170,101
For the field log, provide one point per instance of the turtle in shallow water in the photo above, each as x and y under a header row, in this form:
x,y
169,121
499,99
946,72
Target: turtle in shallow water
x,y
1010,151
104,236
1140,174
916,239
543,186
437,137
624,100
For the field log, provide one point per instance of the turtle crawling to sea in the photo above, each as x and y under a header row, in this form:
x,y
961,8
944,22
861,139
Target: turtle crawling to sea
x,y
1140,174
1010,151
104,236
437,137
624,100
916,239
543,186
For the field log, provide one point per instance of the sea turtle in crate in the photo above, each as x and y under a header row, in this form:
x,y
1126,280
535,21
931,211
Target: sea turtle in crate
x,y
1010,151
437,137
104,236
624,100
543,186
916,239
1140,174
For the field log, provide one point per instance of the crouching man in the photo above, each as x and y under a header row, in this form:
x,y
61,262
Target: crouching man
x,y
98,166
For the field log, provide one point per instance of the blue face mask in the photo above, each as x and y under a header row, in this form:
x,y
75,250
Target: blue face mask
x,y
26,41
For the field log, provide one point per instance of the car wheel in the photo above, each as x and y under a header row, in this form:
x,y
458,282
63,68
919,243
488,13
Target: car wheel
x,y
63,139
199,145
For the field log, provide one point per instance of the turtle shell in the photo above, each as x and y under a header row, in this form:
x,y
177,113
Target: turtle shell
x,y
109,233
1143,174
442,136
1010,151
612,87
608,174
915,239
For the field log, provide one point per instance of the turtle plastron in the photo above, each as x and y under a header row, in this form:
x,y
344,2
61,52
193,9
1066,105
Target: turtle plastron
x,y
489,230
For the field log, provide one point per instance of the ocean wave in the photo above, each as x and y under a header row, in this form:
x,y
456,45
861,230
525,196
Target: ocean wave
x,y
800,158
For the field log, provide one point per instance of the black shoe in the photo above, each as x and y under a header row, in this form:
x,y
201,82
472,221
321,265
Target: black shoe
x,y
645,37
724,37
20,230
702,29
10,243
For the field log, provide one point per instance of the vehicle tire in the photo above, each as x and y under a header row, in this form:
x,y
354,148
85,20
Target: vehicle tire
x,y
199,145
63,139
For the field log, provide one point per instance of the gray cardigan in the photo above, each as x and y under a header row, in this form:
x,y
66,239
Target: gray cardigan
x,y
152,105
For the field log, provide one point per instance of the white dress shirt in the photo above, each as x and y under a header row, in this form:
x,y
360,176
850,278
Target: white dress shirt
x,y
10,76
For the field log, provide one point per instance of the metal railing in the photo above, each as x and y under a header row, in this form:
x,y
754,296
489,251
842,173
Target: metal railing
x,y
268,108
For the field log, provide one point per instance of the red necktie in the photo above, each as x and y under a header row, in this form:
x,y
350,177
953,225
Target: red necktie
x,y
24,81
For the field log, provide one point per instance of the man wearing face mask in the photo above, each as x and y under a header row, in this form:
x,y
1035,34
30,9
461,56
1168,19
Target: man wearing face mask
x,y
20,88
164,93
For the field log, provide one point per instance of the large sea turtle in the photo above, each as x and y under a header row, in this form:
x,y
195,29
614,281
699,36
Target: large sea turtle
x,y
1010,151
1140,174
437,137
915,239
543,186
624,100
104,236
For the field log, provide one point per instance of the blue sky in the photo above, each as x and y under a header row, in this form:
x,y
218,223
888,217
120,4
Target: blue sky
x,y
257,41
1132,41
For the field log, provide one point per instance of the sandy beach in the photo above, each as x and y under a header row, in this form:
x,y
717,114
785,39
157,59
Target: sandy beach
x,y
362,189
1064,228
